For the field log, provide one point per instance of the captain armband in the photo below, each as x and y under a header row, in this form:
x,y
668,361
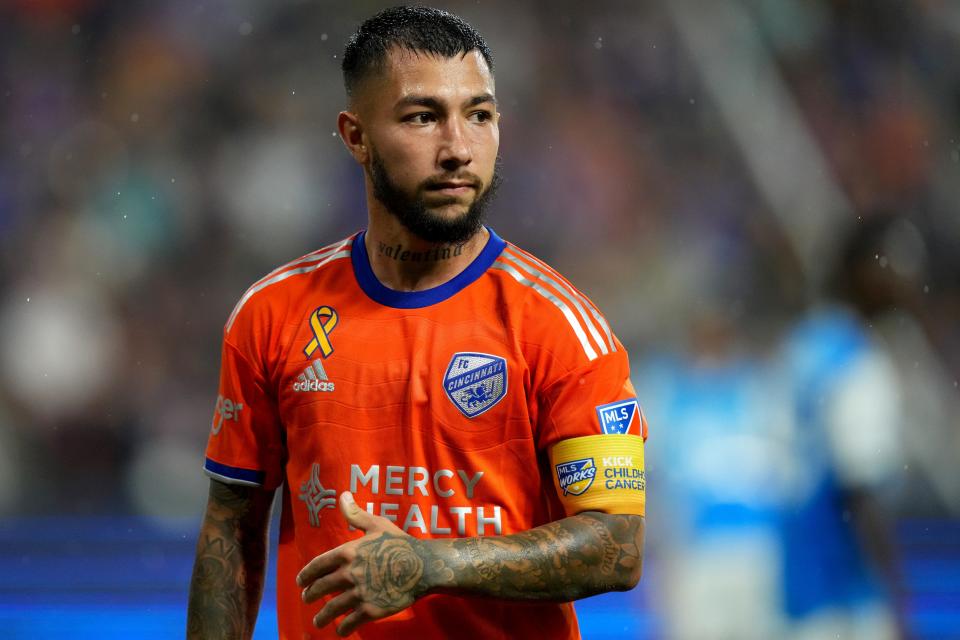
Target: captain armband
x,y
600,473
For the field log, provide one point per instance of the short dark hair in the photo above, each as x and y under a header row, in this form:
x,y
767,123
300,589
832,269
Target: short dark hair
x,y
419,29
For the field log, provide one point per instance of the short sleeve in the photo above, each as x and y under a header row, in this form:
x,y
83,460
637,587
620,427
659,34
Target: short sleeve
x,y
597,398
245,445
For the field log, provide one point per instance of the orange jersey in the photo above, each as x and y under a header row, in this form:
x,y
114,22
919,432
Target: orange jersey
x,y
436,408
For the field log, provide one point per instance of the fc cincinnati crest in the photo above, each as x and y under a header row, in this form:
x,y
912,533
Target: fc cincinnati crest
x,y
475,382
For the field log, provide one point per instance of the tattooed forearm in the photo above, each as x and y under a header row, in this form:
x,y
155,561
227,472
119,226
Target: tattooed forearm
x,y
573,558
231,556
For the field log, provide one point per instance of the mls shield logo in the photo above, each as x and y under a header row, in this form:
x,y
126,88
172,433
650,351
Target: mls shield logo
x,y
475,382
576,476
618,417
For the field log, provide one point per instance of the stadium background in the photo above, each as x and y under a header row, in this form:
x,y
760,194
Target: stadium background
x,y
698,169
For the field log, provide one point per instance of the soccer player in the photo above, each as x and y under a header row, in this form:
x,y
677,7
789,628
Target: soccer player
x,y
452,424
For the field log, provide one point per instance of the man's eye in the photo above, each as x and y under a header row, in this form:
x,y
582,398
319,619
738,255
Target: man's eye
x,y
421,118
481,116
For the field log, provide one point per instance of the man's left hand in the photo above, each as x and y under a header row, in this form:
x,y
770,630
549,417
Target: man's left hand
x,y
376,575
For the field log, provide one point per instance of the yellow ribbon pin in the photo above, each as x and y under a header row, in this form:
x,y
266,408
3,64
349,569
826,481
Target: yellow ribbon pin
x,y
321,331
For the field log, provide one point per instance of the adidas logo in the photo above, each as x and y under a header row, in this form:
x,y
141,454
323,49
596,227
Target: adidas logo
x,y
313,378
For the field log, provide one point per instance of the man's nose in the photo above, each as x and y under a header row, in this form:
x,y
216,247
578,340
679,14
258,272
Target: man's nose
x,y
455,148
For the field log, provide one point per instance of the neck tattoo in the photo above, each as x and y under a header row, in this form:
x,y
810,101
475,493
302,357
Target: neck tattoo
x,y
435,254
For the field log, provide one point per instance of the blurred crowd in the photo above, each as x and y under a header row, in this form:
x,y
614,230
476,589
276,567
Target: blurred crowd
x,y
158,157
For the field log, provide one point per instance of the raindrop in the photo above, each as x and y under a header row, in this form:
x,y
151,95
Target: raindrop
x,y
134,117
75,29
245,29
323,37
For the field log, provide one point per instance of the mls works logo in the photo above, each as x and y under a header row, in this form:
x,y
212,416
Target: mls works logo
x,y
576,476
475,382
618,417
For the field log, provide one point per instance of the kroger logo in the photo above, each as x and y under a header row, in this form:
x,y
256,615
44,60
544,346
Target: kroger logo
x,y
576,476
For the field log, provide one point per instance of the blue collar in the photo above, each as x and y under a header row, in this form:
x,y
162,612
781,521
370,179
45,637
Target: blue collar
x,y
418,299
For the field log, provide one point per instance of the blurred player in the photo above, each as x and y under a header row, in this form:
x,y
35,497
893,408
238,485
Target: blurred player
x,y
841,574
458,444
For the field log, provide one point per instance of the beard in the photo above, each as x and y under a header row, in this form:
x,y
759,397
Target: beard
x,y
414,214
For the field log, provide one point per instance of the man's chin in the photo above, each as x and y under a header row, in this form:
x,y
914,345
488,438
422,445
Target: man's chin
x,y
449,211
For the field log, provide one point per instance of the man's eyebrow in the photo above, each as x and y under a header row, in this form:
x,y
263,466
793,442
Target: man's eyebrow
x,y
420,101
486,97
436,105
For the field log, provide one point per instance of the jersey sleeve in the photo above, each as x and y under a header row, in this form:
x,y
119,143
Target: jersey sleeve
x,y
245,445
594,432
589,420
595,399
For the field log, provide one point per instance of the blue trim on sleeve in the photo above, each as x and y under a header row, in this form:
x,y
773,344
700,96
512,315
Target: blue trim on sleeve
x,y
418,299
234,473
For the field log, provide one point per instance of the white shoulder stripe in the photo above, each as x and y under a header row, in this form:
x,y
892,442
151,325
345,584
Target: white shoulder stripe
x,y
560,304
313,255
263,284
601,321
567,293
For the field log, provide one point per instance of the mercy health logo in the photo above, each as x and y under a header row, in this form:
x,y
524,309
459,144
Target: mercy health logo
x,y
438,501
576,476
618,417
316,496
475,382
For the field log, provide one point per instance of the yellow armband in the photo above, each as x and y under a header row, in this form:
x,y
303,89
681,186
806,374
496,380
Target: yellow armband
x,y
600,473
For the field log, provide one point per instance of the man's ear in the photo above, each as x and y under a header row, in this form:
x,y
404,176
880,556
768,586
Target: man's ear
x,y
351,132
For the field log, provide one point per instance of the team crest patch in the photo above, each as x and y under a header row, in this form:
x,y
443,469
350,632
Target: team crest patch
x,y
475,382
576,476
617,417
